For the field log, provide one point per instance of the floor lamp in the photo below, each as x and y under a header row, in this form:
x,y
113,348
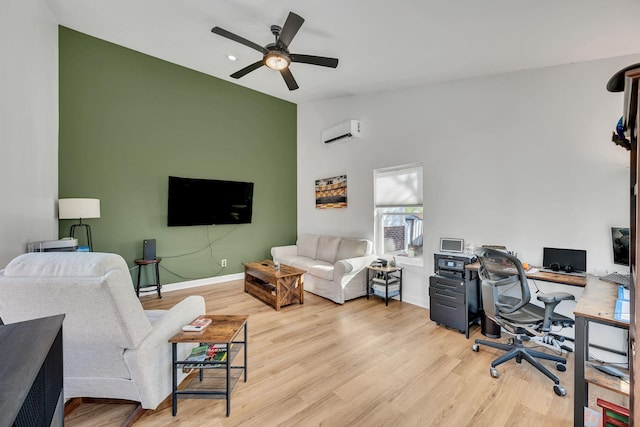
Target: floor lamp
x,y
79,209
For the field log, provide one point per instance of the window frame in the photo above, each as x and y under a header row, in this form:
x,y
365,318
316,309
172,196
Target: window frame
x,y
382,211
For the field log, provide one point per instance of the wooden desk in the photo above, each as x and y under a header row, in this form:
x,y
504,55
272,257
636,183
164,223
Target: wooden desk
x,y
597,304
564,279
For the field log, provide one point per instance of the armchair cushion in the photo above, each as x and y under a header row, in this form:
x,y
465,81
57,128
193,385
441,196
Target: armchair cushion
x,y
40,264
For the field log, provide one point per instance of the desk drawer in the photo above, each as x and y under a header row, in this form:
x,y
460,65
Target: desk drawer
x,y
448,284
448,313
446,295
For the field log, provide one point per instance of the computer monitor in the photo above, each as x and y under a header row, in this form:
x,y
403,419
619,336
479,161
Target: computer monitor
x,y
576,258
620,244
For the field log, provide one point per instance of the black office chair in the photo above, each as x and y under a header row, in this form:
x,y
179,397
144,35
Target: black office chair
x,y
505,300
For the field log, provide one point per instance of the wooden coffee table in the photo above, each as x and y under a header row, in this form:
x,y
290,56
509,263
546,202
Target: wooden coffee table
x,y
276,288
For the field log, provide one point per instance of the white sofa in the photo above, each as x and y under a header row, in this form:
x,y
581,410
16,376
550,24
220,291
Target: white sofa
x,y
113,348
335,266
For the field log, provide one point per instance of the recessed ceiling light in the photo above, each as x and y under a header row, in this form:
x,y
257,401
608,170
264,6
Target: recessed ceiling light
x,y
231,57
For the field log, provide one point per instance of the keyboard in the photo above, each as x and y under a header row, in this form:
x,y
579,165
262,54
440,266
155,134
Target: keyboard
x,y
621,279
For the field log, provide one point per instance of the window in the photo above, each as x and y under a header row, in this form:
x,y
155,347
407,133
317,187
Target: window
x,y
398,212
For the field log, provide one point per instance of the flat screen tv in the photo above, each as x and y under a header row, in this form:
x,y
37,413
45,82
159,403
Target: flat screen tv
x,y
195,201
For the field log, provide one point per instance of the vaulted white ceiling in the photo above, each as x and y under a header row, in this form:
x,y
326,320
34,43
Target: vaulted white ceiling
x,y
381,44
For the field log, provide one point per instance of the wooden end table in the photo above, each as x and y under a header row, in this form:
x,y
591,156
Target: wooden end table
x,y
222,375
274,287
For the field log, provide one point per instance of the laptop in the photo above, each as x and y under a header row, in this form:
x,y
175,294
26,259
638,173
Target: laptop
x,y
555,260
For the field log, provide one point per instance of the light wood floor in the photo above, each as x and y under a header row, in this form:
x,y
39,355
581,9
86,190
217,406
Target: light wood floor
x,y
357,364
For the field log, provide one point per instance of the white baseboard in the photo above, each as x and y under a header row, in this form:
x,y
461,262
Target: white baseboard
x,y
195,283
240,276
415,301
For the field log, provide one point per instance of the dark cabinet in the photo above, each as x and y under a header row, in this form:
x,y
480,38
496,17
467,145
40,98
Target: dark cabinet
x,y
31,374
454,302
454,293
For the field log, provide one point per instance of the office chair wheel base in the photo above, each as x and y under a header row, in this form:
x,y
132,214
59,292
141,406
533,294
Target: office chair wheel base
x,y
559,390
560,367
495,374
475,347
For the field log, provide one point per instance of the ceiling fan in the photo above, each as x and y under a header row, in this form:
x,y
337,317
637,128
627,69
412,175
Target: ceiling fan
x,y
276,55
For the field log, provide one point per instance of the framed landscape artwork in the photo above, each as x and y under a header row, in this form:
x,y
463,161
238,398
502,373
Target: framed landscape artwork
x,y
331,193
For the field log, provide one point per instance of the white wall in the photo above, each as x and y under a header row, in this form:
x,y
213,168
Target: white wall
x,y
28,125
521,159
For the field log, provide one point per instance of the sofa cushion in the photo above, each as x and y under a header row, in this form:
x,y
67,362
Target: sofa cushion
x,y
304,263
328,248
307,244
322,271
352,248
288,259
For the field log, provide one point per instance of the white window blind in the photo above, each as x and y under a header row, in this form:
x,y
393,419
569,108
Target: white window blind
x,y
398,187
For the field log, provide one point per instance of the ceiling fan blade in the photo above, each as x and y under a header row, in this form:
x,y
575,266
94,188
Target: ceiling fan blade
x,y
236,38
289,30
246,70
288,78
314,60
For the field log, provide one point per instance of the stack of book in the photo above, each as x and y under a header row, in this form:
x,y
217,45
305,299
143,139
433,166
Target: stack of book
x,y
197,325
206,352
379,287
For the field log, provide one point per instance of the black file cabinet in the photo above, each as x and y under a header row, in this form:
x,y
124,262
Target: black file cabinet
x,y
454,293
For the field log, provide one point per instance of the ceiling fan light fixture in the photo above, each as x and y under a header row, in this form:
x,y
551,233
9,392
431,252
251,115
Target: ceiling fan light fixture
x,y
277,60
276,55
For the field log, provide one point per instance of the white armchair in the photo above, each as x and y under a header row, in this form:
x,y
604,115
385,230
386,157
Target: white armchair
x,y
113,348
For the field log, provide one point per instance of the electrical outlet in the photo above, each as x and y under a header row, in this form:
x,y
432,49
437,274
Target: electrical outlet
x,y
223,263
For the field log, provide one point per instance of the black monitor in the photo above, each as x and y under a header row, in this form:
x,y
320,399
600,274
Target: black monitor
x,y
620,244
576,258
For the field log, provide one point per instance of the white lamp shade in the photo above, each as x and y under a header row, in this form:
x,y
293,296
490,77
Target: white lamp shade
x,y
78,208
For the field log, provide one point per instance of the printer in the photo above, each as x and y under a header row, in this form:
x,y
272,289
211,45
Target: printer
x,y
62,245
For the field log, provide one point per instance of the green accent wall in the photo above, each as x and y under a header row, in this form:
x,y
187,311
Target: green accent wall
x,y
128,121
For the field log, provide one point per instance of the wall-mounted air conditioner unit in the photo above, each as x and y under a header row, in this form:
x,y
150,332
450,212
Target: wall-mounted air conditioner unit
x,y
341,132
